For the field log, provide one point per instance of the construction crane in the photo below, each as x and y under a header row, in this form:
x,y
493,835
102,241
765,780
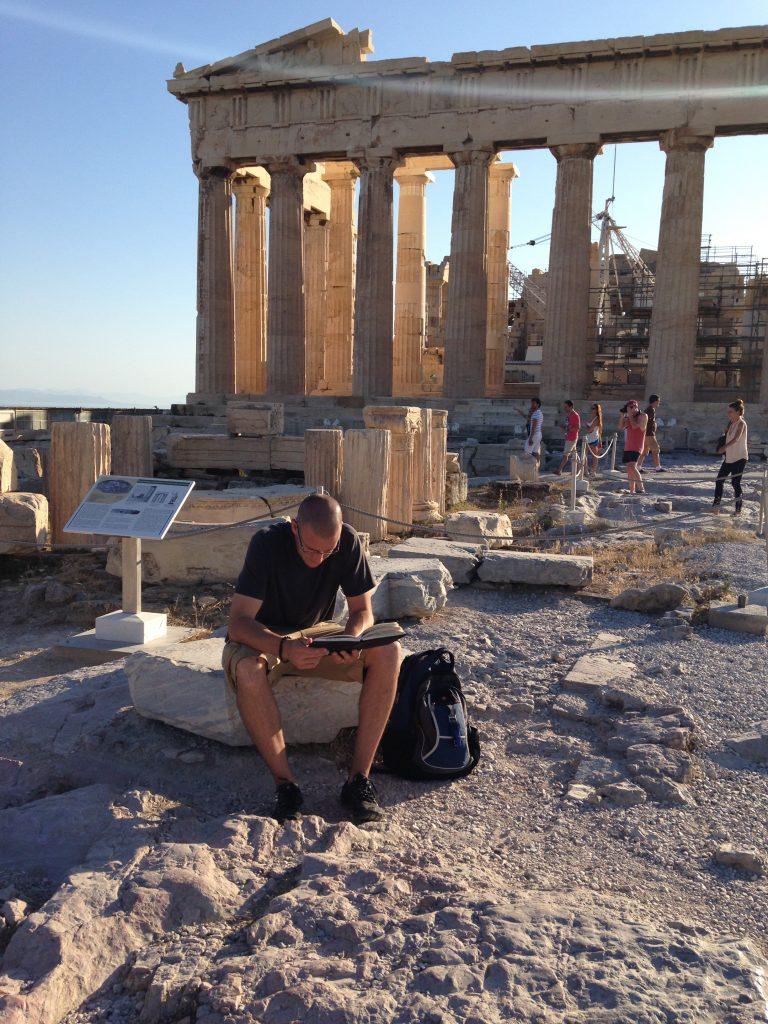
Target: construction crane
x,y
519,283
611,235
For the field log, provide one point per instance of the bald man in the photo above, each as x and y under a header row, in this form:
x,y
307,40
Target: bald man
x,y
284,599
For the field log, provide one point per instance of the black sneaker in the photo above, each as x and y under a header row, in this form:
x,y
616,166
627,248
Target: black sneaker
x,y
288,802
359,794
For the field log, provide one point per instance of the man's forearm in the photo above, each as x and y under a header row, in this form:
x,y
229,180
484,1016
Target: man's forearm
x,y
254,634
358,621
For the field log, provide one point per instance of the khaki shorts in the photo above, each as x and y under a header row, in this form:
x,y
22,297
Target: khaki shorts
x,y
326,668
570,447
650,445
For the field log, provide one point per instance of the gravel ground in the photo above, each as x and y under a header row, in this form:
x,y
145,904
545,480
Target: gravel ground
x,y
506,833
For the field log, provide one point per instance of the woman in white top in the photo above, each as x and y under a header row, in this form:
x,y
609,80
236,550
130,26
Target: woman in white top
x,y
594,437
735,455
535,424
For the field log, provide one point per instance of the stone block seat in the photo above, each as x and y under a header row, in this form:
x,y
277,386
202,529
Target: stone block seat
x,y
183,685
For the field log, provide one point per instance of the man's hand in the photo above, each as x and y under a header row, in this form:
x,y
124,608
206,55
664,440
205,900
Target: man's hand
x,y
346,657
302,653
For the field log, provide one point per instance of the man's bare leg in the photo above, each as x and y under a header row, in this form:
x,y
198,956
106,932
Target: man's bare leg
x,y
376,699
261,716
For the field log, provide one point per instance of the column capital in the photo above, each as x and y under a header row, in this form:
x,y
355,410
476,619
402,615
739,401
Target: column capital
x,y
409,176
502,171
203,172
477,155
576,150
684,139
257,183
289,165
341,172
370,160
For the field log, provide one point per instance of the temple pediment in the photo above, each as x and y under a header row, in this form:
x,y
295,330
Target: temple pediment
x,y
323,43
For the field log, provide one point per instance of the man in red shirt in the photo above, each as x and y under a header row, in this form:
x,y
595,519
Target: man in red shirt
x,y
572,428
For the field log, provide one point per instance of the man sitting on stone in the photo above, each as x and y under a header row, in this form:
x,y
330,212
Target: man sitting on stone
x,y
283,600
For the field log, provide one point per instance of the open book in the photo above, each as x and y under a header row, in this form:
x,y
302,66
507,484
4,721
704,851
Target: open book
x,y
378,635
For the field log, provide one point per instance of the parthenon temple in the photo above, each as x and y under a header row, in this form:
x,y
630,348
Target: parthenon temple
x,y
305,300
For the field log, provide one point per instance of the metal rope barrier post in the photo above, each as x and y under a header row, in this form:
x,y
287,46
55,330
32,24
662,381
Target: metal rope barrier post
x,y
574,477
761,510
614,443
583,457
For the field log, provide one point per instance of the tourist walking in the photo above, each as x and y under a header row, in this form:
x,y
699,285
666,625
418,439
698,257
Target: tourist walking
x,y
651,443
572,428
594,437
633,423
735,454
535,424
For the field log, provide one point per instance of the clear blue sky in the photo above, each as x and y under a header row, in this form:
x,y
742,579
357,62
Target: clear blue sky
x,y
99,205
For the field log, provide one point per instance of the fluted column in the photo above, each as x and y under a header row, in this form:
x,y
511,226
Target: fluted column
x,y
215,363
672,342
499,181
402,423
372,360
410,281
425,507
251,283
564,371
286,320
340,304
467,307
316,275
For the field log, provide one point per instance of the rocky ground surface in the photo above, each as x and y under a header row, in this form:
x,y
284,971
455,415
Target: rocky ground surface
x,y
582,874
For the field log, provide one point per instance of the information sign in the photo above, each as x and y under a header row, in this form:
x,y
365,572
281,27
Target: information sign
x,y
129,506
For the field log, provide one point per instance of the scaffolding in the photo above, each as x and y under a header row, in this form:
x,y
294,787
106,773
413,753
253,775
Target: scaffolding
x,y
732,321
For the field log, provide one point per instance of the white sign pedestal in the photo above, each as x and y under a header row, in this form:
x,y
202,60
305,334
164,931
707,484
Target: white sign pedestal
x,y
131,625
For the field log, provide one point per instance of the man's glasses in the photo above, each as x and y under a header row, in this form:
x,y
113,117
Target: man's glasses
x,y
314,551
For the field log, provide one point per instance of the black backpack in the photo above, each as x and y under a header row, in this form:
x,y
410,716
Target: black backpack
x,y
427,736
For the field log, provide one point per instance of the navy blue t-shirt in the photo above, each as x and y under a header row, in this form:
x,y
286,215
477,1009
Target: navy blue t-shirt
x,y
295,595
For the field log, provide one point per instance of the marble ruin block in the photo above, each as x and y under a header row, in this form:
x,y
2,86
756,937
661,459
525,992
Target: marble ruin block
x,y
461,560
324,460
184,686
80,453
365,480
536,568
403,423
132,445
8,471
425,508
255,419
185,557
491,528
23,523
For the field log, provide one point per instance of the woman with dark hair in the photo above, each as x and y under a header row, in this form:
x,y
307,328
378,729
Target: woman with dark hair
x,y
594,437
735,455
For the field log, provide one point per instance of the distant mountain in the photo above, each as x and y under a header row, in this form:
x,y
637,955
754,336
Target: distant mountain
x,y
41,397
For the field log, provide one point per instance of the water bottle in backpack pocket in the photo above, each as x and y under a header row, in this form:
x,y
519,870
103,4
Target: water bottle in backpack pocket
x,y
428,735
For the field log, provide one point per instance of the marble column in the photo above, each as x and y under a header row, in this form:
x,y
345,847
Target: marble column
x,y
467,307
499,182
402,422
425,507
251,191
372,362
316,276
672,342
410,281
340,302
215,369
564,371
286,319
439,453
